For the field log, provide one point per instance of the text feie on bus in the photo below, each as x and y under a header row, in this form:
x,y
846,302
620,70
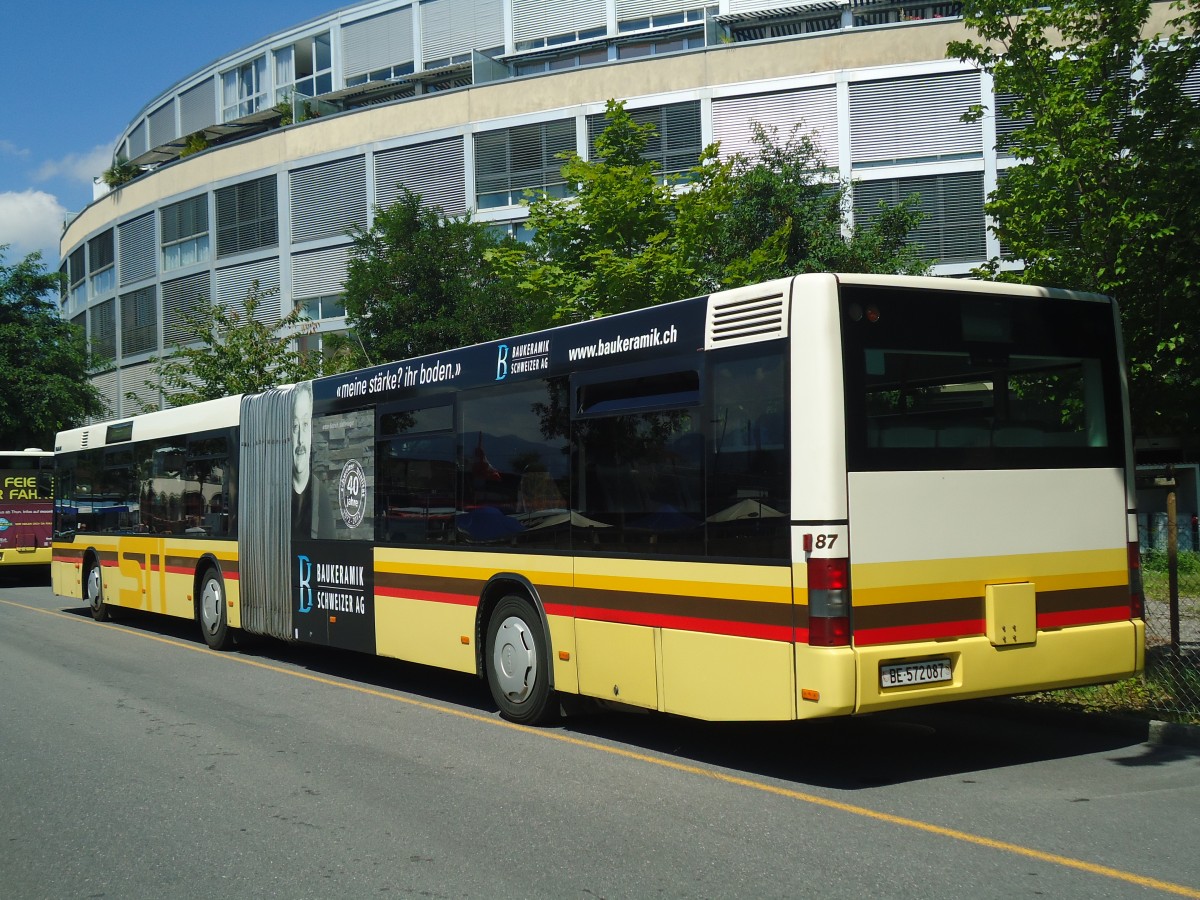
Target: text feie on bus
x,y
26,507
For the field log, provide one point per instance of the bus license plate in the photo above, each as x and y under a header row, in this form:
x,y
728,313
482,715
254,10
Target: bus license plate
x,y
929,671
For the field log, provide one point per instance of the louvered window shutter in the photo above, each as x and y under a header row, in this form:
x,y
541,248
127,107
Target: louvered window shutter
x,y
538,18
813,110
676,144
106,386
185,219
181,299
198,107
141,381
450,27
235,283
139,322
637,9
1005,125
100,251
329,199
523,158
247,216
953,228
436,171
379,42
914,118
321,273
162,124
137,249
137,140
103,329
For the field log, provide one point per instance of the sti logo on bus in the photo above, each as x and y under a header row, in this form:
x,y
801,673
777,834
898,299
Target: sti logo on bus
x,y
306,591
532,356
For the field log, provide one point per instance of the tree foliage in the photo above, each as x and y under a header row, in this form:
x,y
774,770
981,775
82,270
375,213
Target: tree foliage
x,y
43,359
232,352
631,237
419,282
1106,196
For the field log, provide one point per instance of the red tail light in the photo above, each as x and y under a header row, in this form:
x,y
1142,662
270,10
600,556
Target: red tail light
x,y
829,602
1137,597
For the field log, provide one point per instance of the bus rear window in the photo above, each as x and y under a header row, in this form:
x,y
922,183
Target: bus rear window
x,y
968,381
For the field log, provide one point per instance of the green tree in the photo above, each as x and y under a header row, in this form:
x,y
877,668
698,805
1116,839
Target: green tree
x,y
1106,195
44,361
232,352
420,282
610,248
779,211
631,238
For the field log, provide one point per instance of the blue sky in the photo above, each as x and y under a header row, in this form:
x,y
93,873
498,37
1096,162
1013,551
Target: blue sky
x,y
76,72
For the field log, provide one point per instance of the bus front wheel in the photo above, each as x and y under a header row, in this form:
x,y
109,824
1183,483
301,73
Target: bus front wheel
x,y
517,662
213,612
94,594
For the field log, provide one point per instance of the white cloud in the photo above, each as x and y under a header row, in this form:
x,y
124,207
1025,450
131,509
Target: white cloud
x,y
77,166
31,220
8,148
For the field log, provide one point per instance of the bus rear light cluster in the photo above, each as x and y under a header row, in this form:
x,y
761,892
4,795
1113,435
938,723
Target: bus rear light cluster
x,y
829,602
1137,597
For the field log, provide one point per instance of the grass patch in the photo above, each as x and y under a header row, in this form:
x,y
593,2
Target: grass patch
x,y
1161,692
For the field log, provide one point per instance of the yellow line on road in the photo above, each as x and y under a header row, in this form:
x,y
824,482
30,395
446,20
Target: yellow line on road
x,y
952,833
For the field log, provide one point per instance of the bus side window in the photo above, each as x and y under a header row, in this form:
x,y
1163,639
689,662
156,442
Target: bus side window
x,y
640,484
748,501
513,462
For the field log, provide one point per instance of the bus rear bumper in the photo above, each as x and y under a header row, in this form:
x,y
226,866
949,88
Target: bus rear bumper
x,y
1066,657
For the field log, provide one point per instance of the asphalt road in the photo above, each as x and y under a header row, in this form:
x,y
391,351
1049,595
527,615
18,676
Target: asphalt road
x,y
138,763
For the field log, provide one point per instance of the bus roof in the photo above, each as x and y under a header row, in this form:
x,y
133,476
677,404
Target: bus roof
x,y
219,413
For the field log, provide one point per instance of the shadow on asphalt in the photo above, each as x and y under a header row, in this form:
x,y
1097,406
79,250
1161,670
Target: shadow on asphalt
x,y
954,739
25,576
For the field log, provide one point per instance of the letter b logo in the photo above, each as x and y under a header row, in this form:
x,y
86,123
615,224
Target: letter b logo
x,y
305,584
502,362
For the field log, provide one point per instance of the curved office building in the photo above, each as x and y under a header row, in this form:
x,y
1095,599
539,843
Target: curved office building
x,y
257,165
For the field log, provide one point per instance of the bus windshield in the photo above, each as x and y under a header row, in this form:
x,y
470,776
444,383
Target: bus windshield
x,y
965,381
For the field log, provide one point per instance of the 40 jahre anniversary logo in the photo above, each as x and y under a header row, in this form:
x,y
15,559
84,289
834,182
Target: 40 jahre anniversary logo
x,y
352,493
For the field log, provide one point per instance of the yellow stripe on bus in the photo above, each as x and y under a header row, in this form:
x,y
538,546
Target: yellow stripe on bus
x,y
956,589
994,568
473,565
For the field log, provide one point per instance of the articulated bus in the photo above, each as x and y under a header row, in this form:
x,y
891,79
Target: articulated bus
x,y
26,482
819,496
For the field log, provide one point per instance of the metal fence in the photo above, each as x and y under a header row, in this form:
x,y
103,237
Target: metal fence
x,y
1171,579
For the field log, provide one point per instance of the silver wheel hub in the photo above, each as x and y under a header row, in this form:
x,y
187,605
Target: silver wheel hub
x,y
514,659
95,589
210,606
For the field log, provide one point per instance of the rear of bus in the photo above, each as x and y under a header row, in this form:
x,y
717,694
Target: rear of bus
x,y
26,507
989,504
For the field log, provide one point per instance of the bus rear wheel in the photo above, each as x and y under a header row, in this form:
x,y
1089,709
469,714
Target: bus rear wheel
x,y
517,663
93,592
213,611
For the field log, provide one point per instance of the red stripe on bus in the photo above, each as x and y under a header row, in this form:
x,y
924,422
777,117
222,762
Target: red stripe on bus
x,y
1083,617
931,631
432,596
401,593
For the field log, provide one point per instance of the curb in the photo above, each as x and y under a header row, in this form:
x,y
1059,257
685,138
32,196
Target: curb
x,y
1155,732
1172,734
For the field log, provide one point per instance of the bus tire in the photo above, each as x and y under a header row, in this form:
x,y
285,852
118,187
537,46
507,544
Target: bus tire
x,y
93,593
518,668
212,611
